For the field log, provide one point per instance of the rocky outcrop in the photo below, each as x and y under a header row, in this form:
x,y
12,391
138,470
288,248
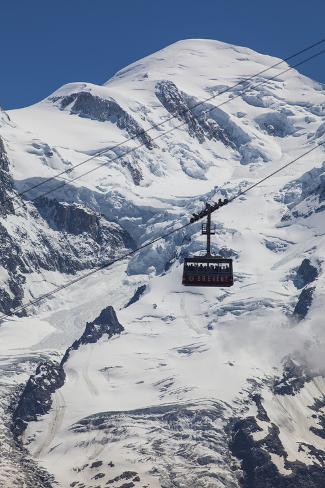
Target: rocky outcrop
x,y
87,105
6,183
258,469
105,324
57,237
37,396
4,118
293,379
137,295
36,399
304,302
306,274
76,219
11,260
206,121
256,440
179,104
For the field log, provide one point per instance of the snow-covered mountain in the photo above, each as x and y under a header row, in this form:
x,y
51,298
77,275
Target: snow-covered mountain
x,y
127,379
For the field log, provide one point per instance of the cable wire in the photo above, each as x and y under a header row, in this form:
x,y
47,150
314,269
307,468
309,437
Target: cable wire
x,y
155,126
147,244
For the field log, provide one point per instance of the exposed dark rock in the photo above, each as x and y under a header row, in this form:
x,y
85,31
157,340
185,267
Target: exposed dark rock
x,y
137,295
82,240
98,476
293,379
36,398
6,183
91,106
318,408
76,219
306,274
180,105
205,460
257,466
176,103
126,475
106,324
261,412
11,259
15,459
72,218
304,302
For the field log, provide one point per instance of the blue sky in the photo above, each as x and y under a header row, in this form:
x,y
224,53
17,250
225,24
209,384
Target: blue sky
x,y
46,43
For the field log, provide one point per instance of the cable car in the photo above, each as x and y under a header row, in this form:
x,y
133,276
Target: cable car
x,y
207,270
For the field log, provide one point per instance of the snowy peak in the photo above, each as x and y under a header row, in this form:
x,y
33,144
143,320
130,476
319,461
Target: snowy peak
x,y
193,56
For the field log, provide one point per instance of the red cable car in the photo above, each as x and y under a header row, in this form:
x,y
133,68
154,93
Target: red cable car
x,y
208,270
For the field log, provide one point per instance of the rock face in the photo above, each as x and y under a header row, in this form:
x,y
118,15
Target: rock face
x,y
91,106
56,237
258,442
37,396
304,302
259,470
137,295
36,399
76,219
293,379
180,105
306,274
106,324
11,259
6,183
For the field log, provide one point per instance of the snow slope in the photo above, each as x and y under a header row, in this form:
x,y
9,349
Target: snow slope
x,y
168,400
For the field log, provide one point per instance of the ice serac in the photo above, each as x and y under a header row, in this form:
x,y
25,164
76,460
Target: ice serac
x,y
206,388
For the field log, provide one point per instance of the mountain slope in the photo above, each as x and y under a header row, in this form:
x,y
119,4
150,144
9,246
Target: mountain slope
x,y
204,387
